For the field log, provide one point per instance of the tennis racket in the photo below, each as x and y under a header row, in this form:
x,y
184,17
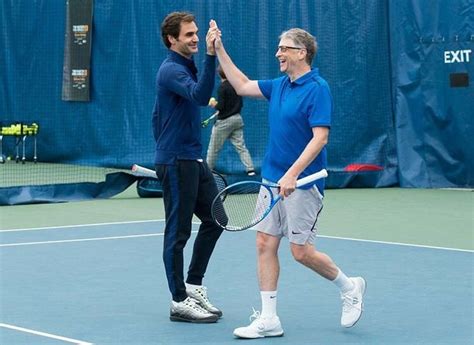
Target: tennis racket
x,y
247,203
205,123
140,171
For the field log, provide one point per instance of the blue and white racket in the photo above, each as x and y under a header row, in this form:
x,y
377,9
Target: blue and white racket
x,y
247,203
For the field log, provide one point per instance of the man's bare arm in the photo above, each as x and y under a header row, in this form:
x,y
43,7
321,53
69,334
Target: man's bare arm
x,y
311,151
239,81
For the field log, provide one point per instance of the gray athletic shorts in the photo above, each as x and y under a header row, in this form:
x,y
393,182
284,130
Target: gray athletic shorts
x,y
294,217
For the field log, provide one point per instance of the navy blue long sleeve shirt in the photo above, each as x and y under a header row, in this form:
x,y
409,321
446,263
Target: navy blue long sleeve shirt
x,y
176,117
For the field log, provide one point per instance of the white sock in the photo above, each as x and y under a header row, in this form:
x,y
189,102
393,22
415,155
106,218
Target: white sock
x,y
192,286
342,282
269,303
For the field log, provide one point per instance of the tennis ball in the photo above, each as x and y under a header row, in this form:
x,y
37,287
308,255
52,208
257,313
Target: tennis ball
x,y
9,158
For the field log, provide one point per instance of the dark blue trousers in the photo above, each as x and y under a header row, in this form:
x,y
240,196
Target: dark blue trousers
x,y
188,188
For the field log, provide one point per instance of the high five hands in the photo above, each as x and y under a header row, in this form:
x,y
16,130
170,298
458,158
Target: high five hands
x,y
213,38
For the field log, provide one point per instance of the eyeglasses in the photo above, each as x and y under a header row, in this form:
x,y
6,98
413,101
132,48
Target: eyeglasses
x,y
284,49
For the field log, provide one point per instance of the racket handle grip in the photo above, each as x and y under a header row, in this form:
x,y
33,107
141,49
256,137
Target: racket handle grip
x,y
142,171
311,178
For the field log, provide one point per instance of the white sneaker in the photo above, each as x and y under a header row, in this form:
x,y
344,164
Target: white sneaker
x,y
200,295
352,303
190,311
260,327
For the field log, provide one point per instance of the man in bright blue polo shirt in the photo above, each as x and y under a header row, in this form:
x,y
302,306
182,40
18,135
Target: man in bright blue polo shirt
x,y
300,118
188,184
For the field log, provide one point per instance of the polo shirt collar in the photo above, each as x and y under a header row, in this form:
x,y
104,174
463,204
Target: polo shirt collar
x,y
311,74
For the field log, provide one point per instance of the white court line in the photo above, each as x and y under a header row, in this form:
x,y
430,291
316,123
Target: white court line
x,y
81,240
196,223
59,227
47,335
397,244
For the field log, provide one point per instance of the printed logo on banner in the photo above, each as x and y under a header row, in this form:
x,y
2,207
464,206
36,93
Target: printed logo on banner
x,y
77,50
455,56
80,33
79,77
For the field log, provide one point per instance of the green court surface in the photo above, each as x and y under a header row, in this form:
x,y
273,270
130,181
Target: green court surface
x,y
432,217
33,174
14,174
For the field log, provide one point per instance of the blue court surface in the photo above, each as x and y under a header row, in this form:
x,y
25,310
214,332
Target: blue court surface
x,y
105,284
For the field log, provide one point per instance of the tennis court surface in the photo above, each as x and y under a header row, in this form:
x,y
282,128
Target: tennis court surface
x,y
105,284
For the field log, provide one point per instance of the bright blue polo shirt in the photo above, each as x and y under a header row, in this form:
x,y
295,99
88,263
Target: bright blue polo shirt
x,y
295,107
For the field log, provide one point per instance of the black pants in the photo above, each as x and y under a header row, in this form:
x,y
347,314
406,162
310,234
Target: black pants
x,y
188,188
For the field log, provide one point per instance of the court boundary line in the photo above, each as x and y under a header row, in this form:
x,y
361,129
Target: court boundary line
x,y
397,244
18,244
81,225
196,223
44,334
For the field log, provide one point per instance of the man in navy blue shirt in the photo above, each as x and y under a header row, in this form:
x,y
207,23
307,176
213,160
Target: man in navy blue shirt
x,y
188,183
299,117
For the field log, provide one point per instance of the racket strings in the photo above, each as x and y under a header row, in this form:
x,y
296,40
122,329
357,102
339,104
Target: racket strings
x,y
244,206
220,182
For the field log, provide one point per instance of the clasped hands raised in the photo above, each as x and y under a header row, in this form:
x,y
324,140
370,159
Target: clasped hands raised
x,y
213,38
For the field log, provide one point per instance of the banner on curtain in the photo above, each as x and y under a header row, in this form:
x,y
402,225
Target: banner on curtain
x,y
77,51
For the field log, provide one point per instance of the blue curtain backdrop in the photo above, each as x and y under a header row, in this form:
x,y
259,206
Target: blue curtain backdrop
x,y
393,109
434,121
